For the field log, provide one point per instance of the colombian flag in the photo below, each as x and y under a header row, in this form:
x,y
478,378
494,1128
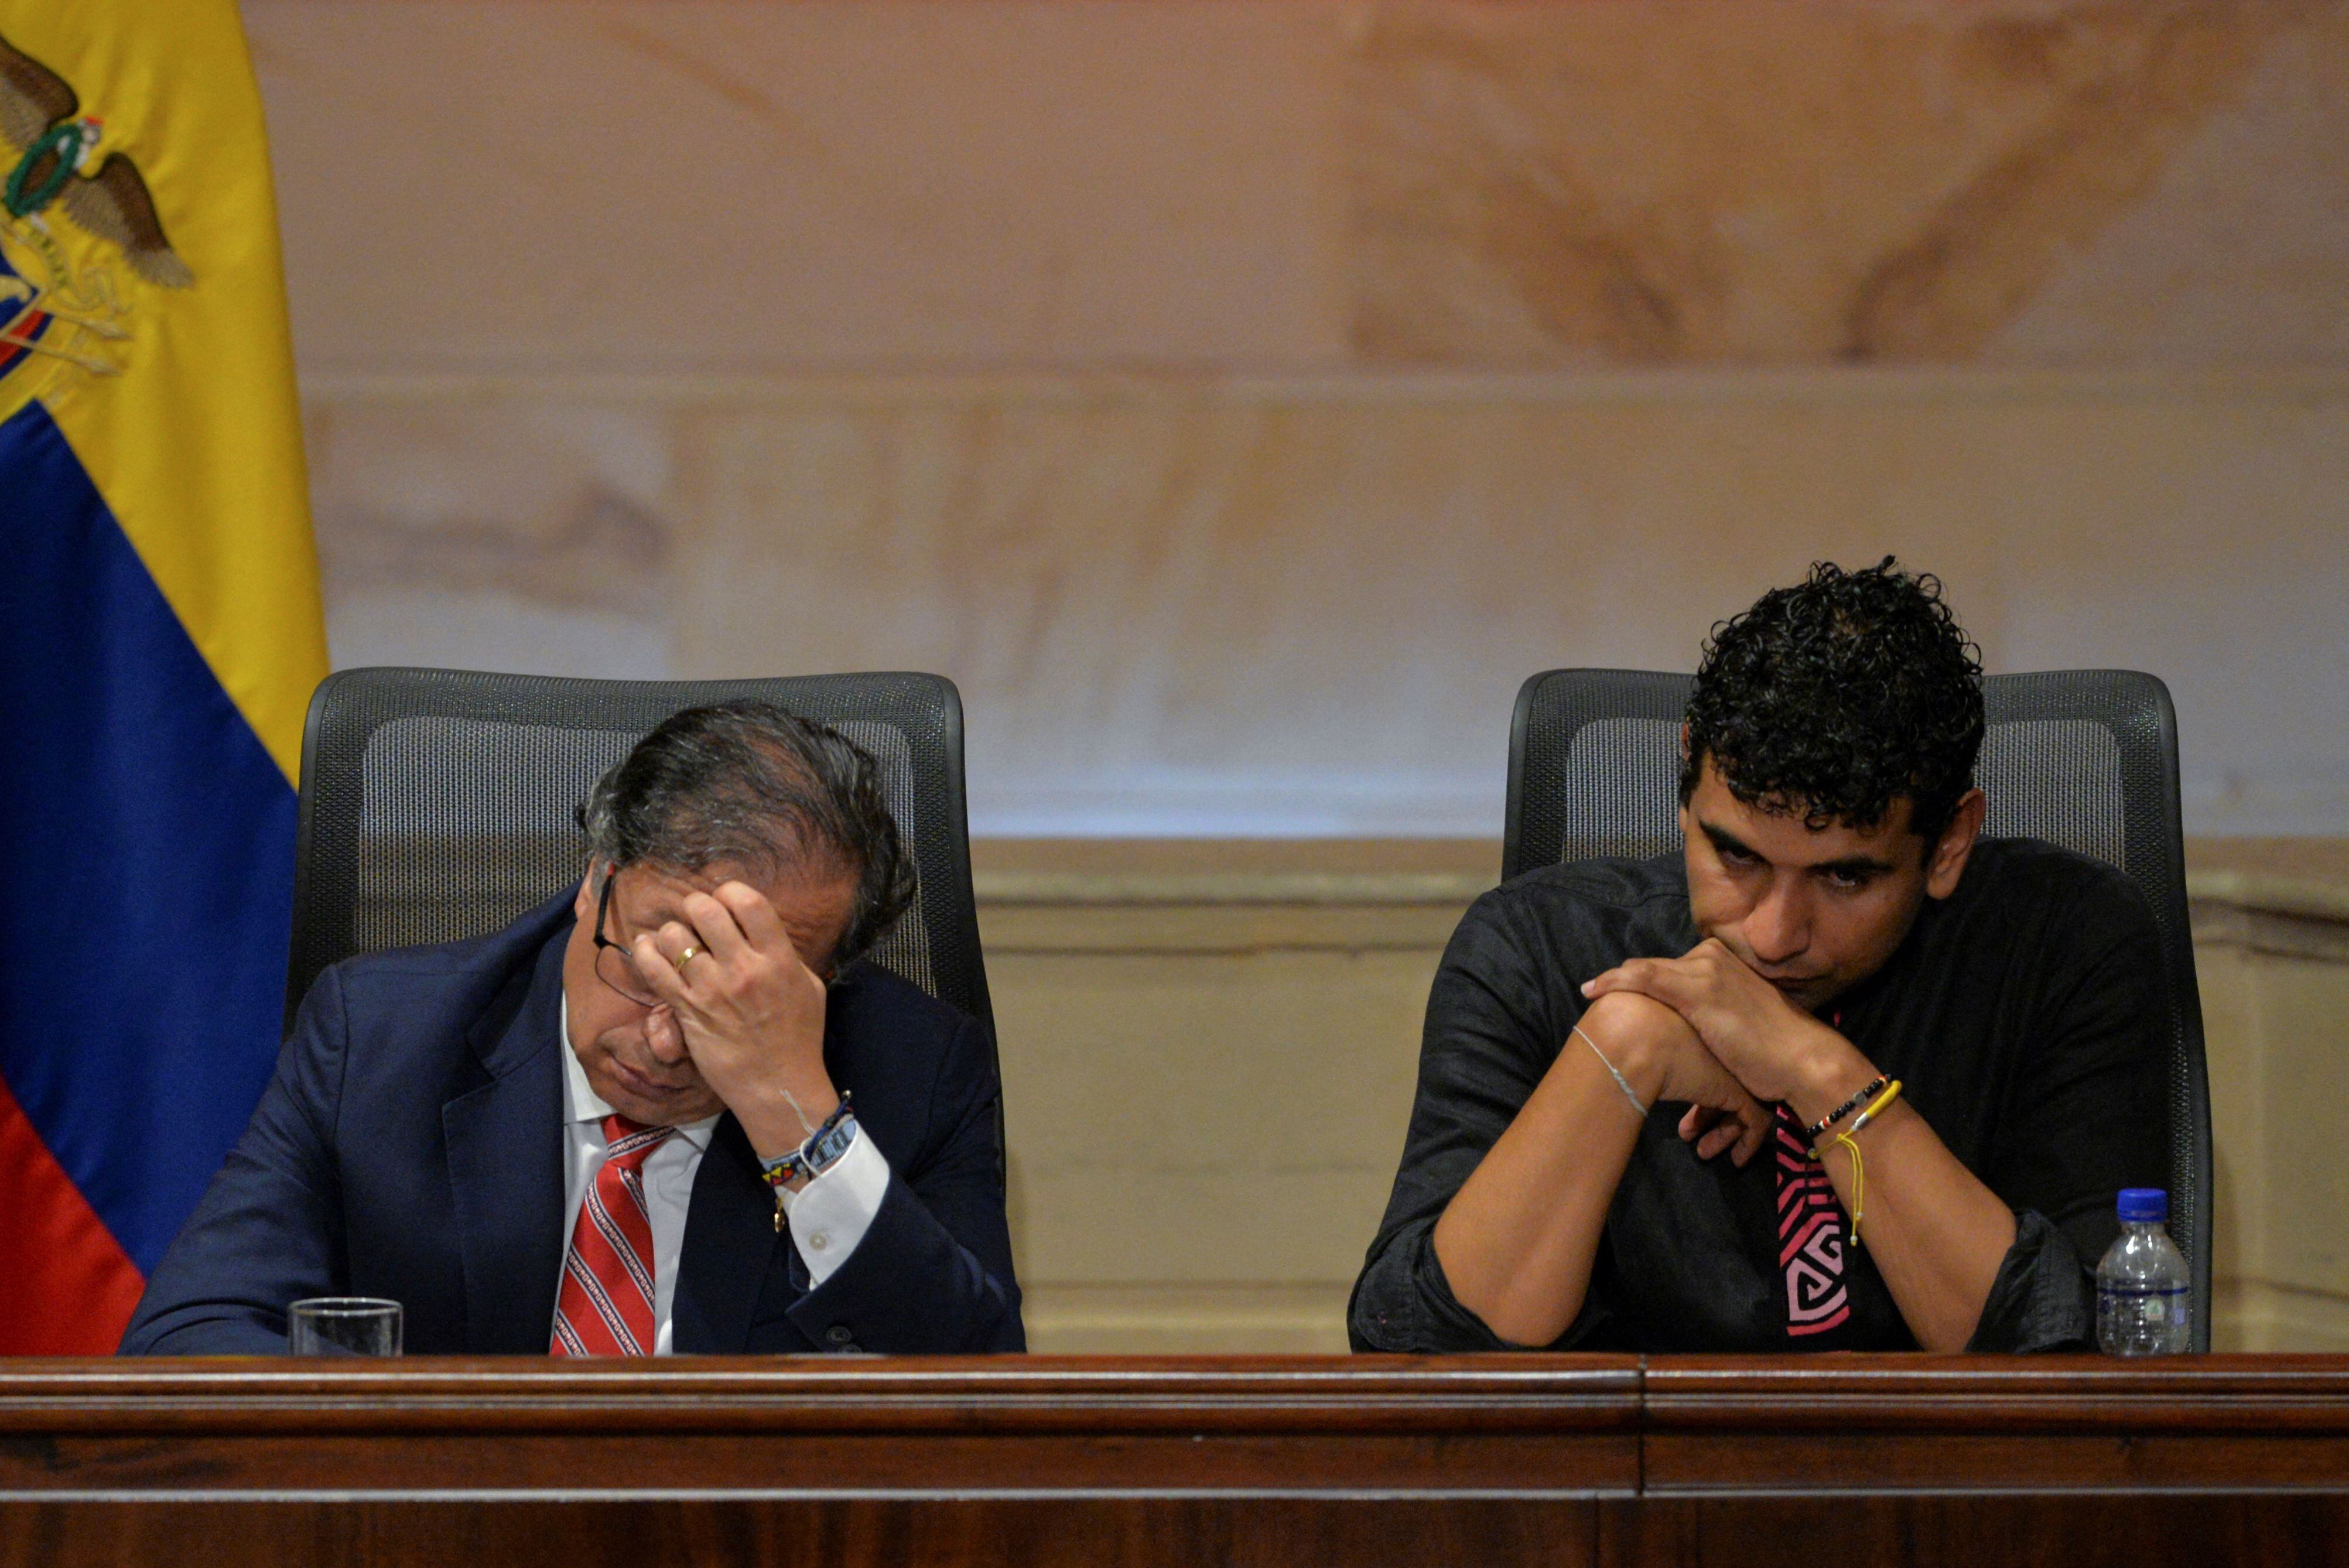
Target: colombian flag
x,y
159,634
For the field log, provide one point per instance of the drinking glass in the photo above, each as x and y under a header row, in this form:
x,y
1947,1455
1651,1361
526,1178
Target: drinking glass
x,y
343,1326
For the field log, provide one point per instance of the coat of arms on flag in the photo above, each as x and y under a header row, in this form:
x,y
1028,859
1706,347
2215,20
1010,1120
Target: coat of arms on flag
x,y
64,170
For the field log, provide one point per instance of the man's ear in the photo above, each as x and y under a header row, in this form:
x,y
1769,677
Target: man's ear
x,y
1946,861
583,907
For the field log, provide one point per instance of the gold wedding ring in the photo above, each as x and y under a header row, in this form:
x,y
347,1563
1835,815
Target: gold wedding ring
x,y
689,954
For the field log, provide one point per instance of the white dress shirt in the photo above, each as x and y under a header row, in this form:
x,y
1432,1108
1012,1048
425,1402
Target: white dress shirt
x,y
828,1217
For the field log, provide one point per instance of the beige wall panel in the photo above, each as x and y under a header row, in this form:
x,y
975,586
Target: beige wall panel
x,y
669,185
1205,1118
2272,929
1209,1052
1305,606
2254,1317
2271,950
2302,1007
1162,1319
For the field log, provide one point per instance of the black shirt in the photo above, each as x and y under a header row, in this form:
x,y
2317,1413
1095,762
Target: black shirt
x,y
2024,1013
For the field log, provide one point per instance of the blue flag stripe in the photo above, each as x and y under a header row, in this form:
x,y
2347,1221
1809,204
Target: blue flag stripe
x,y
146,861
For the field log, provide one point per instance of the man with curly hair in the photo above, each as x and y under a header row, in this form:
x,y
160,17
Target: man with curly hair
x,y
1946,1051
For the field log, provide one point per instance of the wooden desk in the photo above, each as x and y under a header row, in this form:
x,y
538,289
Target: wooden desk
x,y
1049,1460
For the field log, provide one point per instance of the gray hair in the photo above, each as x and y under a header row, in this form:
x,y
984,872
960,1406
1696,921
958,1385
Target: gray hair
x,y
748,783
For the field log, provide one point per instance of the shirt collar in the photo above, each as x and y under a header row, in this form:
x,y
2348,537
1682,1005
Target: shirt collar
x,y
581,1103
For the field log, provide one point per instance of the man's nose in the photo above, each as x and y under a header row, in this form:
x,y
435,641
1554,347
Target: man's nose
x,y
1779,927
664,1041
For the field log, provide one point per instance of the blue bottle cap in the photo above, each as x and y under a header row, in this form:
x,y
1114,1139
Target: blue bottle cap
x,y
2144,1205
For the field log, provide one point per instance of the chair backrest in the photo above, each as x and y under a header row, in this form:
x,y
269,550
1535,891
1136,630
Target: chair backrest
x,y
439,804
2083,758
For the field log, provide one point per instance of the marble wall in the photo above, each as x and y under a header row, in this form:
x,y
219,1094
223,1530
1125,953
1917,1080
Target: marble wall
x,y
2120,183
1238,399
1294,607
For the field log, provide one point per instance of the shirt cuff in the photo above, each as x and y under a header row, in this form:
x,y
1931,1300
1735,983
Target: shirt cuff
x,y
831,1215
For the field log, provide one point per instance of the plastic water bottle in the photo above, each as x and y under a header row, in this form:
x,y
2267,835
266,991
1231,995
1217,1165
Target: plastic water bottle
x,y
2143,1304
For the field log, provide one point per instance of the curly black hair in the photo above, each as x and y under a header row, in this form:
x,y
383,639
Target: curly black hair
x,y
1839,696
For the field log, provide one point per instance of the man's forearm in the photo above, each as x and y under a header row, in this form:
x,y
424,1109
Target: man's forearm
x,y
912,1286
1937,1234
183,1333
1518,1239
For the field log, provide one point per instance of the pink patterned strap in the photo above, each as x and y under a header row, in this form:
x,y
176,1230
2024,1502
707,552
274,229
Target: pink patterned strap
x,y
1810,1235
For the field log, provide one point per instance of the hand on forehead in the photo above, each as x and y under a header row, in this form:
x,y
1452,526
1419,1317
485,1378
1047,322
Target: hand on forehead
x,y
810,905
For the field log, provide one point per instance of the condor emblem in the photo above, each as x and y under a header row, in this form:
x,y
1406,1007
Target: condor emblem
x,y
49,308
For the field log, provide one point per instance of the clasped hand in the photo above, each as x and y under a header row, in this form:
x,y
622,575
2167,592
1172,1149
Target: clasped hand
x,y
1744,1046
749,1012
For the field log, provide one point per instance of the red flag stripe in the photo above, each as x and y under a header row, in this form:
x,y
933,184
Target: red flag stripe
x,y
71,1289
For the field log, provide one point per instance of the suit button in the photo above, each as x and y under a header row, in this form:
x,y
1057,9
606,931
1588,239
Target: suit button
x,y
839,1336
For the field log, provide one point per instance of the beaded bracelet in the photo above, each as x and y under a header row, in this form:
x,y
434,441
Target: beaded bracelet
x,y
1818,1129
1876,1109
1891,1093
824,1144
1858,1169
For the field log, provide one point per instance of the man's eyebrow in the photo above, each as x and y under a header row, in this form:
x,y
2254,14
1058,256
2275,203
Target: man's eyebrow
x,y
1722,839
1850,865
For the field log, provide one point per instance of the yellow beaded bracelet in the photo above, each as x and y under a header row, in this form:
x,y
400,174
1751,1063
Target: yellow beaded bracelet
x,y
1891,1093
1858,1170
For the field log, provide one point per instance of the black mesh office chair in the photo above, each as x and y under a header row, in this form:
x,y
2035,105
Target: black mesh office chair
x,y
439,804
2085,759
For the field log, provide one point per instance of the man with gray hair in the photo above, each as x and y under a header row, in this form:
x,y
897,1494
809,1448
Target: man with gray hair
x,y
591,1133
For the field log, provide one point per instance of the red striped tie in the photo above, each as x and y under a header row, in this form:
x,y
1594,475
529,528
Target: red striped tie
x,y
606,1304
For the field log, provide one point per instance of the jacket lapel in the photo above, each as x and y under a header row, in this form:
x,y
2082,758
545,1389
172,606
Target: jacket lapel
x,y
729,1248
505,1167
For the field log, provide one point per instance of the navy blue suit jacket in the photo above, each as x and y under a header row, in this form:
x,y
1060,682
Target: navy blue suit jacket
x,y
410,1146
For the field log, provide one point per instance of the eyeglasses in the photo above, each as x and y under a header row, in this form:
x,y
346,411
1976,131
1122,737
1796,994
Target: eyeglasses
x,y
613,966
